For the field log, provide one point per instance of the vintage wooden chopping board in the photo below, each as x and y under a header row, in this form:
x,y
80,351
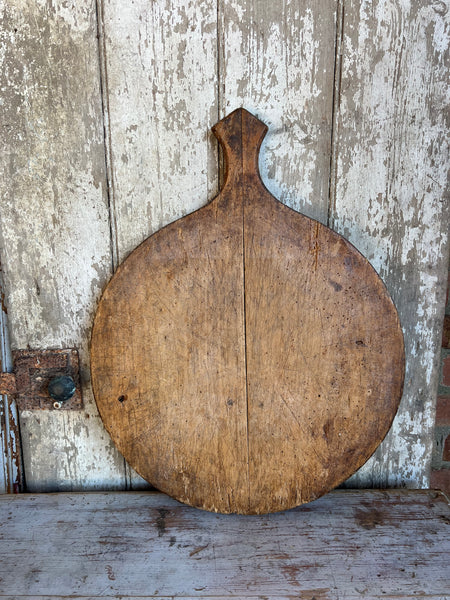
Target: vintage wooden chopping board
x,y
246,358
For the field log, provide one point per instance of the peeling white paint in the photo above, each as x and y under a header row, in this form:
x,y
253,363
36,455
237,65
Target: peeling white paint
x,y
54,228
276,60
162,101
389,199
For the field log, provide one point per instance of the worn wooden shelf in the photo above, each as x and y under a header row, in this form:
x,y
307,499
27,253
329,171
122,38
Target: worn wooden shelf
x,y
348,544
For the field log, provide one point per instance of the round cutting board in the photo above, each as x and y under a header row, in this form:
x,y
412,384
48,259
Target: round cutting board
x,y
246,358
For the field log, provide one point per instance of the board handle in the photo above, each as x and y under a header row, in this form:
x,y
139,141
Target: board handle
x,y
240,134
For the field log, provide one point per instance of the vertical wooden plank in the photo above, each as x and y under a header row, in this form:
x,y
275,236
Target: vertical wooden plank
x,y
10,451
391,199
54,230
160,89
277,61
159,62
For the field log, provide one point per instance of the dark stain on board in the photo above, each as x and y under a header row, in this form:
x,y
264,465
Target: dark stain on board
x,y
161,521
369,519
336,286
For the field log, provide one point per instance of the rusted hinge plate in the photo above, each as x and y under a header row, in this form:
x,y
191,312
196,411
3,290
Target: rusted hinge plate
x,y
34,370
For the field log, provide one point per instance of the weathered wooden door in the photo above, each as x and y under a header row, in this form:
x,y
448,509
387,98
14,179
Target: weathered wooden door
x,y
106,115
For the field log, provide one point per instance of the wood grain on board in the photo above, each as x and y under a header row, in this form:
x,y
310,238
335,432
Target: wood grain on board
x,y
54,230
391,197
168,357
246,358
349,544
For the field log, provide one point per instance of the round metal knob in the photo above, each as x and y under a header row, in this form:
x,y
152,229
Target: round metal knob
x,y
61,388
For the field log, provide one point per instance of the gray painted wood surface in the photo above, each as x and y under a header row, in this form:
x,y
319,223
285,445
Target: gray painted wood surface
x,y
348,544
54,227
159,63
391,198
96,97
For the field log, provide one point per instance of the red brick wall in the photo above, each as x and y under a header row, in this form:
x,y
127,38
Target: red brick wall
x,y
440,467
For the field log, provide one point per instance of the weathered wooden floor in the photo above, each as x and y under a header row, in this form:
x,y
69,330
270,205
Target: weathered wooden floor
x,y
348,544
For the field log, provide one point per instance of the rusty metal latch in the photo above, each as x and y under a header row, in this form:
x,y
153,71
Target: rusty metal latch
x,y
44,380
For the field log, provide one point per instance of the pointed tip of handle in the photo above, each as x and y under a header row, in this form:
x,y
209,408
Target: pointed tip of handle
x,y
236,121
242,113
